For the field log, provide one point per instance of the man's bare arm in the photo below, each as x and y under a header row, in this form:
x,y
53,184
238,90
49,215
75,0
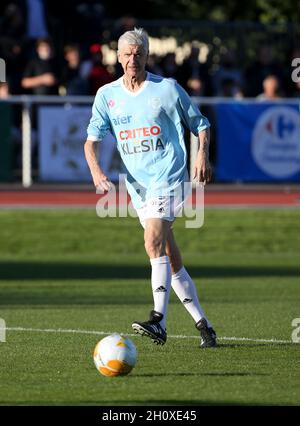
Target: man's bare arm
x,y
202,168
46,79
100,179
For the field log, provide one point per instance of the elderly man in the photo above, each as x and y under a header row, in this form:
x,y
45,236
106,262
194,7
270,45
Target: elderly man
x,y
145,113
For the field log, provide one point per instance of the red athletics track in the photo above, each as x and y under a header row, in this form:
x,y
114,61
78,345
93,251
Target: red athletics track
x,y
88,199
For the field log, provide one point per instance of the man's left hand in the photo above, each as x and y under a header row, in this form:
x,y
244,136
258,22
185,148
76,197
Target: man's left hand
x,y
202,170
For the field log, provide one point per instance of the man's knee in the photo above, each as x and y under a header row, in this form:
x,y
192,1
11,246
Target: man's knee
x,y
156,232
154,245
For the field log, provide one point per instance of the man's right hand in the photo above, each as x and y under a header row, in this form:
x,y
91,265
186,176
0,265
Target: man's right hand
x,y
101,182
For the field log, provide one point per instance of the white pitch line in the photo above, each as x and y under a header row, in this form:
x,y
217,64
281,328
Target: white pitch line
x,y
104,333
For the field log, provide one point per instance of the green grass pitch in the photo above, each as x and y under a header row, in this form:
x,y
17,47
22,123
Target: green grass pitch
x,y
70,270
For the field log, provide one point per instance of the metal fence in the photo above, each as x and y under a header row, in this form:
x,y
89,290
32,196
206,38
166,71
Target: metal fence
x,y
28,102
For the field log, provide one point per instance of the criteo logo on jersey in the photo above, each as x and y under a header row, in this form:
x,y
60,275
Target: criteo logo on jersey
x,y
136,142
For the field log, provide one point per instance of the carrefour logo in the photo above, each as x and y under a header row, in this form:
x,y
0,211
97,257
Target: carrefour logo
x,y
276,142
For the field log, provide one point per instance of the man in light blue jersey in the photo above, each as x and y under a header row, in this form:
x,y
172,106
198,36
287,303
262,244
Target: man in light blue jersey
x,y
146,114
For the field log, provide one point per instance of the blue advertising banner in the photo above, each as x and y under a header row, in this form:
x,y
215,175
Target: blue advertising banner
x,y
258,142
62,133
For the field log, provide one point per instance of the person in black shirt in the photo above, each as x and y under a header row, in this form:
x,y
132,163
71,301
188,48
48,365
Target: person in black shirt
x,y
40,75
193,75
72,80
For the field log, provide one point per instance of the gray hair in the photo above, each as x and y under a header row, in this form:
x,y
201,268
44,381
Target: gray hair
x,y
138,36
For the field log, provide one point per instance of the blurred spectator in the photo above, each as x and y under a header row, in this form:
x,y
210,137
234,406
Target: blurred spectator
x,y
260,69
195,86
72,82
12,52
193,75
4,90
271,88
40,75
228,71
230,89
169,66
94,71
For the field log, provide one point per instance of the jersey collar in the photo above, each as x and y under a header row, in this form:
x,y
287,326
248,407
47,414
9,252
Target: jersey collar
x,y
143,87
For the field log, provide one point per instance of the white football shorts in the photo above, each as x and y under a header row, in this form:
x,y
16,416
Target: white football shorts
x,y
162,207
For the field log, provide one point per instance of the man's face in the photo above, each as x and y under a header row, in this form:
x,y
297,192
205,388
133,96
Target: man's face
x,y
271,85
133,59
44,51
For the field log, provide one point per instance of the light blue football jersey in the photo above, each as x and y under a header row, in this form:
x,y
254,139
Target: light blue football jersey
x,y
149,132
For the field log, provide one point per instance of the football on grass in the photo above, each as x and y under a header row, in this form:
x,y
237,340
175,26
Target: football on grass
x,y
115,355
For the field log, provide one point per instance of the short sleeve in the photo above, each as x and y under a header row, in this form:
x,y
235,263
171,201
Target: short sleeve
x,y
189,112
99,124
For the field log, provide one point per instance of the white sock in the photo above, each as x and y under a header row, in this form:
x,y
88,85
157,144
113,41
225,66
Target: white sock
x,y
161,285
184,287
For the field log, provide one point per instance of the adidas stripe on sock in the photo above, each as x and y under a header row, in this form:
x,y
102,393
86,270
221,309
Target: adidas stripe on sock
x,y
184,287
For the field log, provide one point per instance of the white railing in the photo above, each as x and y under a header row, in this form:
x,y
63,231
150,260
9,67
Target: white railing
x,y
28,101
